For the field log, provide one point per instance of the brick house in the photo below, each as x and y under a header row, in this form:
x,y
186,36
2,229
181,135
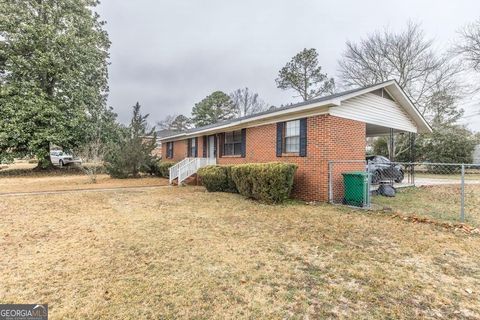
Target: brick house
x,y
309,134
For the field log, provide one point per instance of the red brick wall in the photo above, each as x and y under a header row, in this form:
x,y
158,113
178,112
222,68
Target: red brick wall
x,y
328,138
179,150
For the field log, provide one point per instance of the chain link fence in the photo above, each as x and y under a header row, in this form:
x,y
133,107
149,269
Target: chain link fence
x,y
439,191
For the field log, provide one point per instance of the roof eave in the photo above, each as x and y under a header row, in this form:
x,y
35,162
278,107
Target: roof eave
x,y
421,123
266,117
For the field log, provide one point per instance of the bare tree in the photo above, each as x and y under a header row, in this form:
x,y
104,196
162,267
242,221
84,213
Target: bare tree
x,y
304,75
469,46
247,102
407,57
175,122
166,123
92,154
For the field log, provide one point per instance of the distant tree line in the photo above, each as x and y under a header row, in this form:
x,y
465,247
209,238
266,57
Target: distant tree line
x,y
431,78
54,86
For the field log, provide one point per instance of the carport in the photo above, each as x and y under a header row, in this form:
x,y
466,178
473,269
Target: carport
x,y
386,112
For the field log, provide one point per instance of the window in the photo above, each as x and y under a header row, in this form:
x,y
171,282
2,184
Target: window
x,y
292,137
169,149
193,147
233,143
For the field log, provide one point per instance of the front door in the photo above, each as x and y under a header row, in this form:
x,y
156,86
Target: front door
x,y
211,147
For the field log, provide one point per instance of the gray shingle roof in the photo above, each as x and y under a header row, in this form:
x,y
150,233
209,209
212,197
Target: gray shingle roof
x,y
166,133
292,106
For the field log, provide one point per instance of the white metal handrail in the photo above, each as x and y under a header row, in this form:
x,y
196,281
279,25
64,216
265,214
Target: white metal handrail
x,y
173,171
189,168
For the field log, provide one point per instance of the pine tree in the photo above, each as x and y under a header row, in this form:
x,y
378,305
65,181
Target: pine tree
x,y
134,152
304,75
214,108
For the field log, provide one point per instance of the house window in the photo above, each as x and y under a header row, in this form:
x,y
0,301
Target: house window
x,y
169,149
193,147
292,137
233,143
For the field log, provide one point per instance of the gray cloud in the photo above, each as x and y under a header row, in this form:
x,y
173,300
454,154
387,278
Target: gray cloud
x,y
170,54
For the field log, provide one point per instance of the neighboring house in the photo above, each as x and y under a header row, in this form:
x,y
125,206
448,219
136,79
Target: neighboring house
x,y
309,134
476,154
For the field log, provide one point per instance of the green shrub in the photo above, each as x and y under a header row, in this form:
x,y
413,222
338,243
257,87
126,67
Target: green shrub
x,y
217,178
231,187
116,163
243,178
158,168
267,182
163,168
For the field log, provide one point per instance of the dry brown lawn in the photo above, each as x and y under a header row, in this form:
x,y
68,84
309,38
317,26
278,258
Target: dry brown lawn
x,y
71,182
441,203
173,252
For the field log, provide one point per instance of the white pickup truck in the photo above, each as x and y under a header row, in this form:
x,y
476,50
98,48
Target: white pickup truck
x,y
60,158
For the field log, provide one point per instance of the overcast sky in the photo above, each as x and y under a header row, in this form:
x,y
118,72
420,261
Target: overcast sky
x,y
168,55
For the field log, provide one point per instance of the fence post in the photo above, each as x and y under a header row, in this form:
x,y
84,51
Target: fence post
x,y
330,182
368,196
462,209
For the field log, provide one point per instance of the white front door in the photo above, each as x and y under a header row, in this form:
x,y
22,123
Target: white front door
x,y
211,147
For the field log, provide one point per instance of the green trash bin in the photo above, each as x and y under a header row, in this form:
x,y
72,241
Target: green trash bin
x,y
355,188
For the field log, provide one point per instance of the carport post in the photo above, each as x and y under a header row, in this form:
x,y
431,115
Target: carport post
x,y
391,142
462,209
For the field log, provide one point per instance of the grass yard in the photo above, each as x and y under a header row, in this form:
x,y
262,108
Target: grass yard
x,y
441,202
455,177
173,252
72,182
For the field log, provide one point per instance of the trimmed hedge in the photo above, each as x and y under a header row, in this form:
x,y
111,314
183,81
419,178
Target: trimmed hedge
x,y
217,178
267,182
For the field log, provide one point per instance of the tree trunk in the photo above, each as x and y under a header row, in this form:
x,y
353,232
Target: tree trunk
x,y
44,161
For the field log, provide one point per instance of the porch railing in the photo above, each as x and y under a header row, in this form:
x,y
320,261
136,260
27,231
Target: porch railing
x,y
188,167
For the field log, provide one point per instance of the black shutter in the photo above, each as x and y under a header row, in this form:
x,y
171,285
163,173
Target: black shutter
x,y
189,148
205,146
215,146
171,152
303,137
280,138
221,142
244,143
196,147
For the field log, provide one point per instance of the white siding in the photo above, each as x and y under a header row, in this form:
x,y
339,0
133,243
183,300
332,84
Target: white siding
x,y
373,109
